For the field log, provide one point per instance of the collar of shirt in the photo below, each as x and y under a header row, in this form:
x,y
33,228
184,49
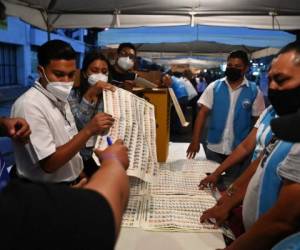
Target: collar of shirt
x,y
60,105
244,82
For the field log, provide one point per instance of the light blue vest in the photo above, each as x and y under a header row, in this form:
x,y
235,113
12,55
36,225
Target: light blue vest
x,y
242,112
262,141
271,182
178,87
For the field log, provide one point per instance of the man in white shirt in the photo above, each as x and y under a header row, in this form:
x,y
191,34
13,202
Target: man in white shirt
x,y
52,153
233,103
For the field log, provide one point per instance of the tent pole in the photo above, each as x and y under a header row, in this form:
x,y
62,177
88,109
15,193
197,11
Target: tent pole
x,y
46,20
48,33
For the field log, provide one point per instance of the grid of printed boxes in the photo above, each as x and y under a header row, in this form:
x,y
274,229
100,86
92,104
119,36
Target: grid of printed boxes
x,y
164,198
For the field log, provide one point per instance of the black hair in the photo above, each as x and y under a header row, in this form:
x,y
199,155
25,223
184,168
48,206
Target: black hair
x,y
55,50
240,54
89,57
294,46
126,45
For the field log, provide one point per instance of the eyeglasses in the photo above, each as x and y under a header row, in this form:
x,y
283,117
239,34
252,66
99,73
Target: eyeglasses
x,y
125,54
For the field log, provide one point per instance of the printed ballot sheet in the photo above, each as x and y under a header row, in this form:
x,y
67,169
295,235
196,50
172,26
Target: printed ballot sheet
x,y
172,201
135,125
176,213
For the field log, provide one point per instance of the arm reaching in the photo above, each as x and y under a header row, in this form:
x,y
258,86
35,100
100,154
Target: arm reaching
x,y
279,222
241,152
100,123
16,128
111,180
194,146
226,203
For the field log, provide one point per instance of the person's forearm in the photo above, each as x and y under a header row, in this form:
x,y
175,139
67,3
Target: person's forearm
x,y
111,181
265,233
239,154
245,178
239,187
278,222
66,152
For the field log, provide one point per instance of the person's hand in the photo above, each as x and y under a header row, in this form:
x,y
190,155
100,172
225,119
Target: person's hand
x,y
104,85
100,124
192,150
209,181
117,151
166,81
16,128
93,92
216,215
128,85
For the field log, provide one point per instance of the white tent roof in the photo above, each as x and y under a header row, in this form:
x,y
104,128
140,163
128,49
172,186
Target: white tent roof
x,y
131,13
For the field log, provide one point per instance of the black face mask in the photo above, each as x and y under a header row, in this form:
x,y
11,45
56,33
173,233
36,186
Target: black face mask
x,y
287,127
233,74
285,101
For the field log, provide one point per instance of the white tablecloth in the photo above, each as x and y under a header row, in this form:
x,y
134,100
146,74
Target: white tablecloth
x,y
139,239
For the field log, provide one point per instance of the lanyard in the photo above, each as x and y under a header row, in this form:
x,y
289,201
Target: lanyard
x,y
56,103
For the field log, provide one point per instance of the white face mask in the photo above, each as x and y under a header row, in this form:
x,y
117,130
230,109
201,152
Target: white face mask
x,y
93,78
125,63
60,90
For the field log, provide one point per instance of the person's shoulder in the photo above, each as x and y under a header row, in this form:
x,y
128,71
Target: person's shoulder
x,y
32,97
214,84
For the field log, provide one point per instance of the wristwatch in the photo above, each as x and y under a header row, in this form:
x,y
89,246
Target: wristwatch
x,y
230,190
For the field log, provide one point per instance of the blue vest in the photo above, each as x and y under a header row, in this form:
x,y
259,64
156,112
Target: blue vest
x,y
242,112
291,243
270,181
178,87
264,125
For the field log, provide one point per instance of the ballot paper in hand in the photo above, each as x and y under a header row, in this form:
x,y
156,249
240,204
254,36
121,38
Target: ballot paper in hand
x,y
135,125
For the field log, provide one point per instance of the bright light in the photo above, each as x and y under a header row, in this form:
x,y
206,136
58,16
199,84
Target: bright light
x,y
106,29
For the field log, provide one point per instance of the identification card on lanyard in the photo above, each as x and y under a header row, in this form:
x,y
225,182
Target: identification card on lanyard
x,y
70,126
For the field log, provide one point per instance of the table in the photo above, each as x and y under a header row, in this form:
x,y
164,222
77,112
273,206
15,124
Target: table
x,y
139,239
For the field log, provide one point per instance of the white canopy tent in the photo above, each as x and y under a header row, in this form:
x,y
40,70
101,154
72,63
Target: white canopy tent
x,y
49,14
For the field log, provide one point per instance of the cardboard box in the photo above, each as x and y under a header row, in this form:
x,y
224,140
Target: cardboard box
x,y
160,99
152,76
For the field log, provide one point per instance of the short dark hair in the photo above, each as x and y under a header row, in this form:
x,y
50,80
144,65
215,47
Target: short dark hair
x,y
240,54
55,50
126,45
294,46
